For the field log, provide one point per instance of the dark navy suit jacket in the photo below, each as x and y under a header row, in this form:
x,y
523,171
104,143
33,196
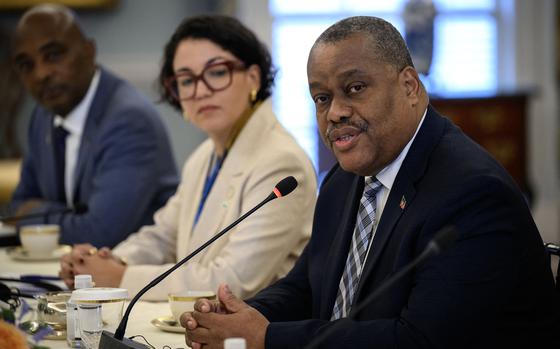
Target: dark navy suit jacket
x,y
124,172
492,289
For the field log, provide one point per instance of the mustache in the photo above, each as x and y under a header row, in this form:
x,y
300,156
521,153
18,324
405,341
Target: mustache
x,y
359,124
44,88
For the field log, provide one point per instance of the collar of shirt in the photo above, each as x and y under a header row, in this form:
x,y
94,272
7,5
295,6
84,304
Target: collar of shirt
x,y
387,177
388,174
75,121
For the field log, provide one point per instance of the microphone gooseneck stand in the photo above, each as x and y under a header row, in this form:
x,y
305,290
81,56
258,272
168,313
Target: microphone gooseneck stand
x,y
117,341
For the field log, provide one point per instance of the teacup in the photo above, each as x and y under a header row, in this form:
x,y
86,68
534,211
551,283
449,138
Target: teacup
x,y
183,301
41,239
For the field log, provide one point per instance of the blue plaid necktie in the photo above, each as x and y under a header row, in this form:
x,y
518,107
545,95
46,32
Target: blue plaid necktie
x,y
360,241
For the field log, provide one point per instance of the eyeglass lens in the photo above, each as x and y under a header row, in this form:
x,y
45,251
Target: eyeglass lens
x,y
216,77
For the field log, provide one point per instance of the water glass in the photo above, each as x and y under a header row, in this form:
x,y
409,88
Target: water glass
x,y
98,309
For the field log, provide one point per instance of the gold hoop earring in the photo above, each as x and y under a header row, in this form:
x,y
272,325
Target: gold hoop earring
x,y
186,116
253,96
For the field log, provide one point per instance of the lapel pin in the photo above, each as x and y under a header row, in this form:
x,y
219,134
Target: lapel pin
x,y
402,205
230,192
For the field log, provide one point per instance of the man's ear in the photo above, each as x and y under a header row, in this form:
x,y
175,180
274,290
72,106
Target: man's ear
x,y
409,80
90,49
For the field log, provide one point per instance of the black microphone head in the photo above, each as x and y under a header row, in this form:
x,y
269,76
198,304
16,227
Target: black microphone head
x,y
80,208
445,238
285,186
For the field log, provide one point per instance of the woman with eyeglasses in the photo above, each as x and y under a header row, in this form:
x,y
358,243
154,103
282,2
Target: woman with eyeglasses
x,y
217,73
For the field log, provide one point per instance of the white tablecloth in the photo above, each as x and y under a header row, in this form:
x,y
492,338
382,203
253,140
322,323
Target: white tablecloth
x,y
140,317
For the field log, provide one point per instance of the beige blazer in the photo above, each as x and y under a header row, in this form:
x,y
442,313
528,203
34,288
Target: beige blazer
x,y
255,253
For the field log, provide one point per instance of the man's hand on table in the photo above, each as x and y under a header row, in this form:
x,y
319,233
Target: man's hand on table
x,y
68,261
214,321
105,269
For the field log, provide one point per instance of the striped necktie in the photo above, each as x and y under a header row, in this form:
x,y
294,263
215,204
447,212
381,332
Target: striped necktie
x,y
360,241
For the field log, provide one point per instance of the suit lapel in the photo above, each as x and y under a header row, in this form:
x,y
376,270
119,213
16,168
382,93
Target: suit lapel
x,y
216,207
403,190
338,253
49,159
194,180
94,118
219,202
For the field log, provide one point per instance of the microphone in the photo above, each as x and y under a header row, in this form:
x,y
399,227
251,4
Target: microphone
x,y
444,239
79,208
116,341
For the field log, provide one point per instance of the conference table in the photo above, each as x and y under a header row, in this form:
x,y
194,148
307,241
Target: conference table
x,y
140,318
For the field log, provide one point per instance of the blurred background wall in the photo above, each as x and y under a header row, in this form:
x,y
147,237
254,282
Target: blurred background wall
x,y
514,52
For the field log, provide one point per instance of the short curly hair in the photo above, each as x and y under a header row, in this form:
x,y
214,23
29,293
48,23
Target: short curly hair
x,y
229,34
389,44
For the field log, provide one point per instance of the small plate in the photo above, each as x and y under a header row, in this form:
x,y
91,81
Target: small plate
x,y
168,324
20,254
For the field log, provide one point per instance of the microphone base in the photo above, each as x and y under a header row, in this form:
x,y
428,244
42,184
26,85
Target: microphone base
x,y
109,342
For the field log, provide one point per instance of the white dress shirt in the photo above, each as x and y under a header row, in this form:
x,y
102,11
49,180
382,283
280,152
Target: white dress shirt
x,y
387,177
74,124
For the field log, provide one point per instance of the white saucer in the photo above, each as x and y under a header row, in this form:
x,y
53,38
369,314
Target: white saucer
x,y
167,324
32,327
7,230
18,253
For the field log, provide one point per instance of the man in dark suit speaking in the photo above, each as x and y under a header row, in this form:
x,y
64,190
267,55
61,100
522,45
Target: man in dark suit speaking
x,y
93,139
404,172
